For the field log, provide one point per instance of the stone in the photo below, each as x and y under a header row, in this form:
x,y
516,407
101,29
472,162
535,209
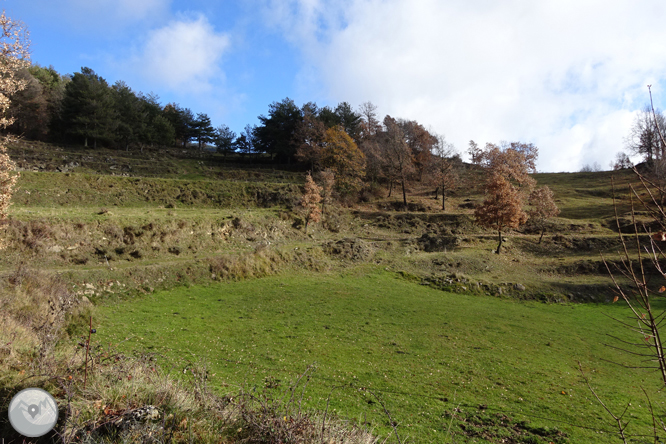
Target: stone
x,y
519,287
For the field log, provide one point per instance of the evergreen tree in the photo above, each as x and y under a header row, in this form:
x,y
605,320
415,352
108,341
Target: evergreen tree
x,y
182,121
131,123
203,130
275,135
88,108
350,120
224,140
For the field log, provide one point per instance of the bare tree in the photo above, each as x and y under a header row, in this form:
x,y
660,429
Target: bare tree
x,y
644,138
444,168
622,161
543,208
398,155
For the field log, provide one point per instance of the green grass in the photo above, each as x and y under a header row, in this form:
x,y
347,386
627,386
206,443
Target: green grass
x,y
424,352
85,190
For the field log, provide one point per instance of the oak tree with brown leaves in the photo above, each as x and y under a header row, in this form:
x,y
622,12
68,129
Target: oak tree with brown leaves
x,y
543,208
14,57
309,204
502,209
343,157
508,186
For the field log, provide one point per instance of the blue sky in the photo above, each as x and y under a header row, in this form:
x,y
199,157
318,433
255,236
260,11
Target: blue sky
x,y
566,75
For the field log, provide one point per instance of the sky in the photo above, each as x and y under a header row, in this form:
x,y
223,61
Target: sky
x,y
566,75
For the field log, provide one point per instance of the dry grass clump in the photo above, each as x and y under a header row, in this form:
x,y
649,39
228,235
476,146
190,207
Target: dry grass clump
x,y
261,262
35,310
134,400
266,420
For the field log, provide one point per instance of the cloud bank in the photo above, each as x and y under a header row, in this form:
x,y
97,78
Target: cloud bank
x,y
566,75
184,56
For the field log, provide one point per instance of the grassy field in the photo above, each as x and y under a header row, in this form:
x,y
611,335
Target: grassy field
x,y
426,354
204,262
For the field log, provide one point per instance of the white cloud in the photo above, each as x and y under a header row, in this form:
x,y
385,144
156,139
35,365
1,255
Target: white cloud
x,y
184,56
563,74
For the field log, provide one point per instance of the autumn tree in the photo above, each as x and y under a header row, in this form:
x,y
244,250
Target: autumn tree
x,y
14,56
508,186
513,161
502,208
543,208
309,204
421,143
342,156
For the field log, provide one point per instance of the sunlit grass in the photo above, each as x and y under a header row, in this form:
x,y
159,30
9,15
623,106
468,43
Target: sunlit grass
x,y
423,351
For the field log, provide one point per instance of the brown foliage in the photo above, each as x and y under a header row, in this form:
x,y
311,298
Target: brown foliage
x,y
503,207
310,202
514,162
342,156
421,143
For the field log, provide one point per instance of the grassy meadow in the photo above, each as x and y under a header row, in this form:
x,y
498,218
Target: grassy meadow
x,y
201,263
425,353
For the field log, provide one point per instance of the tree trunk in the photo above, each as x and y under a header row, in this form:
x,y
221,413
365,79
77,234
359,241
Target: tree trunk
x,y
500,241
543,230
443,199
436,193
404,195
307,221
390,187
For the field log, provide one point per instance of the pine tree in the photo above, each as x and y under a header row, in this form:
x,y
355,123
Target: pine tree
x,y
88,108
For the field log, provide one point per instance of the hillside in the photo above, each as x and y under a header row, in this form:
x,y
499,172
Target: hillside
x,y
188,256
100,215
